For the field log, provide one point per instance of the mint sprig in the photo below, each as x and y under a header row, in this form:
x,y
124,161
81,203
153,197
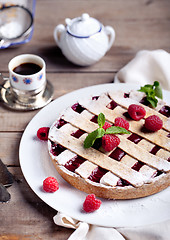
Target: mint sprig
x,y
100,132
152,91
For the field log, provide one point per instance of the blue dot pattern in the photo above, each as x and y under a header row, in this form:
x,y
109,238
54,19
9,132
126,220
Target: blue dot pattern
x,y
27,80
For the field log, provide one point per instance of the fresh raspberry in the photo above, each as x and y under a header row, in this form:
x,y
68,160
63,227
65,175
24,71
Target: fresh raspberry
x,y
121,122
109,142
91,203
106,125
136,112
42,133
153,123
50,184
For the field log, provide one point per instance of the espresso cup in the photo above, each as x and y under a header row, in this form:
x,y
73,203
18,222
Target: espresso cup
x,y
27,76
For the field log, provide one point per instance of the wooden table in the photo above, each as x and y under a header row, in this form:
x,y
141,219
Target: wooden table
x,y
139,24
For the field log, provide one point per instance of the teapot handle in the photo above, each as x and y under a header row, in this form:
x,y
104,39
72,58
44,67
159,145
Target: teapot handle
x,y
111,34
57,32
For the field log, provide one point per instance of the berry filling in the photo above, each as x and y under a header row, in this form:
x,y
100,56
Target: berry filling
x,y
78,108
126,95
56,149
122,183
94,119
78,133
155,149
95,98
117,154
60,123
112,105
145,102
168,135
98,143
165,110
135,138
97,174
137,166
74,163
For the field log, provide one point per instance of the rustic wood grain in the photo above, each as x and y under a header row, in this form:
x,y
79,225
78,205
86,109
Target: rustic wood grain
x,y
139,24
25,216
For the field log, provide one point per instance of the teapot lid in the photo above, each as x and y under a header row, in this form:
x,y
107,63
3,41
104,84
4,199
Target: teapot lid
x,y
83,27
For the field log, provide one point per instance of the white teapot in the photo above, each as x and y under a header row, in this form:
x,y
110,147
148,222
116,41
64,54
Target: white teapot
x,y
84,40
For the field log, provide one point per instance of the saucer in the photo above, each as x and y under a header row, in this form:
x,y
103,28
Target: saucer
x,y
11,101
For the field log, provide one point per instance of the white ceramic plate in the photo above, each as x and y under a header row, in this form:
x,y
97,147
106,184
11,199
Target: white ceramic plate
x,y
36,166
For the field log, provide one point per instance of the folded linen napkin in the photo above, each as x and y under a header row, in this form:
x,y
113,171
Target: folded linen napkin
x,y
146,67
85,231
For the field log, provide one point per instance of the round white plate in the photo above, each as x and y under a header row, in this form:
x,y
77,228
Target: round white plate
x,y
36,166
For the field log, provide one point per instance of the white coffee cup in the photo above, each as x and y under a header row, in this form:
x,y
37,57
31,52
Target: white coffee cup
x,y
25,84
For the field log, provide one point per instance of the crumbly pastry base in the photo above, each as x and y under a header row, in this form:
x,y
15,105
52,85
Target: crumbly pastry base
x,y
126,192
142,182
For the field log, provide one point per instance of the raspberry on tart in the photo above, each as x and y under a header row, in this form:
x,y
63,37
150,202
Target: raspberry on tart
x,y
136,112
153,123
136,167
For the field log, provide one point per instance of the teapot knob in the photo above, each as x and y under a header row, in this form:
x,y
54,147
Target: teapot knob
x,y
68,21
85,16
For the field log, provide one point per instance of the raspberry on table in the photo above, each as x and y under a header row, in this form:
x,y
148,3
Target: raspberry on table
x,y
109,142
153,123
50,185
42,133
121,122
106,125
136,112
91,203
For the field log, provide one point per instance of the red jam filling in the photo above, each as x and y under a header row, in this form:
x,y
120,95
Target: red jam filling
x,y
134,138
117,154
95,98
137,166
122,183
78,108
78,133
112,105
97,174
56,149
126,95
165,110
74,163
98,143
155,149
60,123
144,101
94,119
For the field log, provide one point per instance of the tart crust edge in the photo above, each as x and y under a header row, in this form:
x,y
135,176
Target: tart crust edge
x,y
108,192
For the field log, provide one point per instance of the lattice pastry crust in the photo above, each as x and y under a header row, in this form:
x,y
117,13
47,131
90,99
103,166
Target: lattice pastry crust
x,y
138,167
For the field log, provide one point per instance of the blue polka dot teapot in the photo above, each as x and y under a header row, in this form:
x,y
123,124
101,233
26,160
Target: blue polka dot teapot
x,y
84,40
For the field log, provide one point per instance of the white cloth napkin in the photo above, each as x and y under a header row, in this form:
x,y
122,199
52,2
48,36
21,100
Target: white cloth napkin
x,y
146,67
85,231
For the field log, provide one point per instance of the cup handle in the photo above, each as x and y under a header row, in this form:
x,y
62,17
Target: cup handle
x,y
57,33
111,34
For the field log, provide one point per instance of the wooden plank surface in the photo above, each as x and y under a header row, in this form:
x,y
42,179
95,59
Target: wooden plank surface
x,y
139,24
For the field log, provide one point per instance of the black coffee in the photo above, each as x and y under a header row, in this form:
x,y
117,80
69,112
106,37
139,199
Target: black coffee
x,y
27,69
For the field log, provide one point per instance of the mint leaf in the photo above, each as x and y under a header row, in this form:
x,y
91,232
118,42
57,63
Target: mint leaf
x,y
90,139
153,101
101,120
152,91
158,92
115,130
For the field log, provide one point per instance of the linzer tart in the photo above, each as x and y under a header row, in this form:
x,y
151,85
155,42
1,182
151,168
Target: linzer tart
x,y
138,167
